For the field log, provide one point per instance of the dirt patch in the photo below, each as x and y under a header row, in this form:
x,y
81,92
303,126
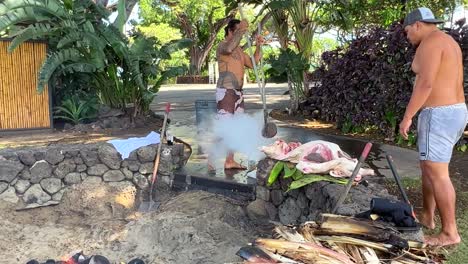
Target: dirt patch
x,y
26,139
101,130
100,218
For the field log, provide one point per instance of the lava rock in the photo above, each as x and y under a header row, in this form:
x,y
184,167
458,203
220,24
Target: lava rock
x,y
35,194
9,170
51,185
97,170
40,170
113,176
54,156
109,156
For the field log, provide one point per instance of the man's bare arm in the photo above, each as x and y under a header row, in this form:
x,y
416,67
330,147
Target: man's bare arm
x,y
428,60
248,60
257,54
228,47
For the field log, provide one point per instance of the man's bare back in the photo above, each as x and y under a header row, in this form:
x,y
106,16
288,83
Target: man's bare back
x,y
447,86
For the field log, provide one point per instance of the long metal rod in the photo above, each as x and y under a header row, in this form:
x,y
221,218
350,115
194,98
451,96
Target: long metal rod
x,y
397,178
260,82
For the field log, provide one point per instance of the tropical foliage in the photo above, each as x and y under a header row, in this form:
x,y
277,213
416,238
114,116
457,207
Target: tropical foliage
x,y
200,21
83,41
369,83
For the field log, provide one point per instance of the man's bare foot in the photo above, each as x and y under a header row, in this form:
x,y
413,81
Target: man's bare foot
x,y
442,239
233,165
211,169
426,220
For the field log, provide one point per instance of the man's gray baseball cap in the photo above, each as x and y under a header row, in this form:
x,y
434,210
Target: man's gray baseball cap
x,y
422,14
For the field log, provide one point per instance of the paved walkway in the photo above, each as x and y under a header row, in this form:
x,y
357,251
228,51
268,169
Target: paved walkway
x,y
183,125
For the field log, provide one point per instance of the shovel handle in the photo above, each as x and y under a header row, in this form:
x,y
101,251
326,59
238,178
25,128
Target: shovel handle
x,y
168,108
363,157
366,151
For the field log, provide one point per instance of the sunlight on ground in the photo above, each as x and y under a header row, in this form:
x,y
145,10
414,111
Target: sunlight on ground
x,y
126,197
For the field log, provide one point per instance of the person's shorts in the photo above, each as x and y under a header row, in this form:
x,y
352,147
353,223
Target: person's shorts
x,y
439,129
229,101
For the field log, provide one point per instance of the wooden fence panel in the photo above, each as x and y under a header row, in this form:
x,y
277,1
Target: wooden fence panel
x,y
21,107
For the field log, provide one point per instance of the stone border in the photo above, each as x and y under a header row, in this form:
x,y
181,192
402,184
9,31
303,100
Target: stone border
x,y
39,176
307,203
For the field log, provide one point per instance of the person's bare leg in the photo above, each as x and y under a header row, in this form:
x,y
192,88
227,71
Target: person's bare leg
x,y
230,163
426,218
444,195
211,166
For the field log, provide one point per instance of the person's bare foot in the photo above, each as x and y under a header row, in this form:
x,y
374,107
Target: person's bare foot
x,y
442,239
426,220
211,169
233,165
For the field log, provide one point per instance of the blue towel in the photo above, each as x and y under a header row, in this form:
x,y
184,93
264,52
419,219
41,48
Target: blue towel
x,y
126,146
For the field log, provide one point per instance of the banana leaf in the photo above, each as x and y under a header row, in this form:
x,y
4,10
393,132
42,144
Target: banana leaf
x,y
298,175
275,172
289,172
310,178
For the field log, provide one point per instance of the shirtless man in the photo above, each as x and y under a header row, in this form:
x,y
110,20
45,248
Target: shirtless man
x,y
231,63
438,93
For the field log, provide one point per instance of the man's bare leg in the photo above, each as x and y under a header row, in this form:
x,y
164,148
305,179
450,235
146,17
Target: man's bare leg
x,y
426,218
211,167
444,195
230,163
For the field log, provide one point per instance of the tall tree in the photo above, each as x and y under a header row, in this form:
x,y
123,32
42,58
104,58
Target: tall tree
x,y
360,16
129,6
200,21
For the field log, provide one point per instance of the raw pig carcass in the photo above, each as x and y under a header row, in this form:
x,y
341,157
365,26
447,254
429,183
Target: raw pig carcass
x,y
318,156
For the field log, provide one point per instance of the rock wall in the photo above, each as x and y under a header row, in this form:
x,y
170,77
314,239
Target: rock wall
x,y
308,202
39,176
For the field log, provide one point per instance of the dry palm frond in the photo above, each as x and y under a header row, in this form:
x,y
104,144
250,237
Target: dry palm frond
x,y
356,242
416,244
353,251
289,234
304,249
333,224
278,257
404,261
307,231
338,248
369,255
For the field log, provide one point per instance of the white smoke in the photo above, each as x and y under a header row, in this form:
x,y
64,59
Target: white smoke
x,y
239,133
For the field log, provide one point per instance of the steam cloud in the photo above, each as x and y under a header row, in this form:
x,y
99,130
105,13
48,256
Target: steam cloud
x,y
240,133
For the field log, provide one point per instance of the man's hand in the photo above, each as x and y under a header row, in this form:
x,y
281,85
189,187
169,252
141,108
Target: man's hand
x,y
405,126
243,25
260,40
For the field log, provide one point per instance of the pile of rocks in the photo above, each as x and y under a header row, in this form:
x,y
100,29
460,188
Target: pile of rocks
x,y
38,177
308,202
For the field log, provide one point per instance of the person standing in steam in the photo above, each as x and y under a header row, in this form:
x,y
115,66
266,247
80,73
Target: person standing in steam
x,y
438,93
231,62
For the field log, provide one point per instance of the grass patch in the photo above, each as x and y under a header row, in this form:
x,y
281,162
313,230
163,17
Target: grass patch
x,y
460,254
409,183
412,186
